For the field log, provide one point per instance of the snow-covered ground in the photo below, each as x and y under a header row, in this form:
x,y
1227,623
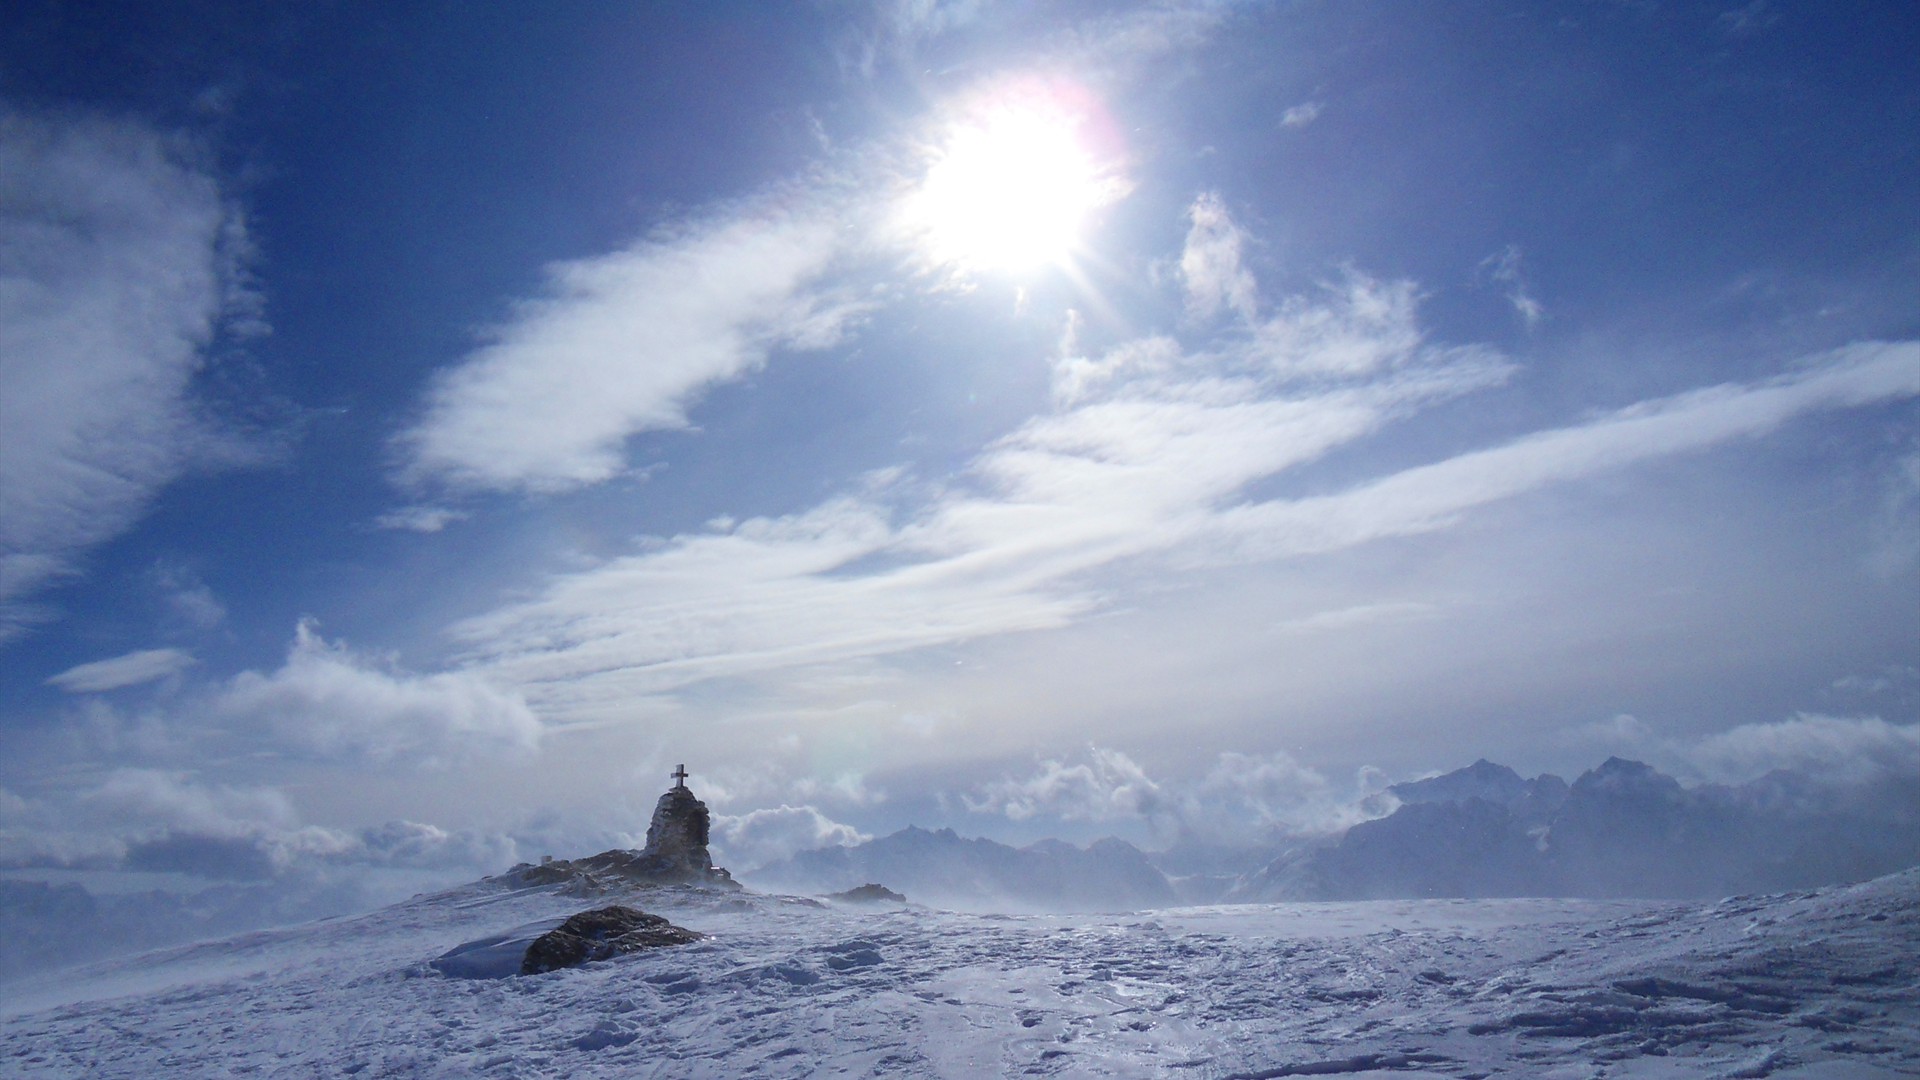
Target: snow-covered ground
x,y
1803,985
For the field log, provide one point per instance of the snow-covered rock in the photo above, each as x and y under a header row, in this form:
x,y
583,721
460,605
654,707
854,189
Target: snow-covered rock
x,y
1623,829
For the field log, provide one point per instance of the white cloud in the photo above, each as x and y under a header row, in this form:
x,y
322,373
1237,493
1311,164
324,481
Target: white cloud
x,y
1210,264
1146,455
131,669
1430,497
420,519
1360,615
418,845
1246,798
769,835
1846,750
1241,801
154,799
1503,266
114,275
1896,530
329,702
621,344
187,598
1107,786
1356,327
1146,463
1301,115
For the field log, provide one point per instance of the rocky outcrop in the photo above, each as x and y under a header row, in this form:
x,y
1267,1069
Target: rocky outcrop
x,y
601,934
677,839
870,893
676,854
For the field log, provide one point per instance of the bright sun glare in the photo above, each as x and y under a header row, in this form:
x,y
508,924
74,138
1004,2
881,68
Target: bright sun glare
x,y
1011,187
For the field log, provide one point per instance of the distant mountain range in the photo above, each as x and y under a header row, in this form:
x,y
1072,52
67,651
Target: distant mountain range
x,y
941,867
1623,829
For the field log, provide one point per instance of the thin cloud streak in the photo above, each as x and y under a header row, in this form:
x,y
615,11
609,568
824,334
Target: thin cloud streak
x,y
1433,496
622,344
132,669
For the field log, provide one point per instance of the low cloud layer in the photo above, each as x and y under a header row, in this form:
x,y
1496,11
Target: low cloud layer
x,y
332,703
1242,800
768,835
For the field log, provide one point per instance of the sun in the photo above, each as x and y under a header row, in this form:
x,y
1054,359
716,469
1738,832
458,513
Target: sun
x,y
1013,182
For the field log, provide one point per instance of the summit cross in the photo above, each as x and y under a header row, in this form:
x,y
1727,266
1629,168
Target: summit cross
x,y
679,777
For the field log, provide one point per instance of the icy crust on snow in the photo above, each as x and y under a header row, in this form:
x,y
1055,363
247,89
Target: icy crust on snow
x,y
1802,985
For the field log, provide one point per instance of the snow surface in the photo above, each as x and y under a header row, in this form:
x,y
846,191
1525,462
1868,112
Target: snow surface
x,y
1822,984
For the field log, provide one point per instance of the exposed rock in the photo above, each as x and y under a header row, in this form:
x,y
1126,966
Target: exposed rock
x,y
869,893
676,854
600,934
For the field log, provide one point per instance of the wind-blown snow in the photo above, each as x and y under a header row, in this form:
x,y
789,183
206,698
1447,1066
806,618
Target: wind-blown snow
x,y
1800,985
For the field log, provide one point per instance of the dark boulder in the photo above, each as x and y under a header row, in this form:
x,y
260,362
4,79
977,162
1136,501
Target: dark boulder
x,y
600,934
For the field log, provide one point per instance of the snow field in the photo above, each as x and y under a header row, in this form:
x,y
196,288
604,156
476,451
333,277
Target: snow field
x,y
1799,986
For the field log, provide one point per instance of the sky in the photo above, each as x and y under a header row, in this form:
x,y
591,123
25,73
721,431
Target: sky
x,y
422,428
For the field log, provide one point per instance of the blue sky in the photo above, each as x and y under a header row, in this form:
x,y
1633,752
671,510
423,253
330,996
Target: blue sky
x,y
437,423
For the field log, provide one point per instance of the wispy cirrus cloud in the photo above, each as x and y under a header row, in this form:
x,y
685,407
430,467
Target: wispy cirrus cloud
x,y
132,669
1212,266
624,343
1147,463
116,269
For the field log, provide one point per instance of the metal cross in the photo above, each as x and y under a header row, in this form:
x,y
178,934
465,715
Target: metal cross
x,y
680,776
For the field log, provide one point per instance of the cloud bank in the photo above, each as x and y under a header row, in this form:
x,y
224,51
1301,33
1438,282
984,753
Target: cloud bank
x,y
331,703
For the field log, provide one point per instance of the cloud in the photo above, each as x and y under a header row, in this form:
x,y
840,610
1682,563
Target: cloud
x,y
1210,264
132,669
1107,786
1245,799
416,845
766,836
624,343
1147,463
187,598
1301,115
1896,529
1430,497
162,800
1841,750
1242,800
329,702
117,256
1356,327
1136,466
1503,267
420,519
1360,615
